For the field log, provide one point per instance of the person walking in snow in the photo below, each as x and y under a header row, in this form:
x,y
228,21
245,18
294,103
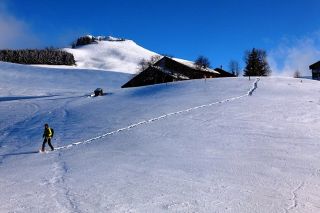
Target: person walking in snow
x,y
47,135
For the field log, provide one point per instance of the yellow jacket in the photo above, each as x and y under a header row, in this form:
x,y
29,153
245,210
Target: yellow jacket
x,y
47,133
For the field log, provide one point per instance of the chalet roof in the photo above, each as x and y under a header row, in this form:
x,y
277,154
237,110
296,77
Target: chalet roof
x,y
143,78
168,69
174,75
224,73
192,65
188,64
315,65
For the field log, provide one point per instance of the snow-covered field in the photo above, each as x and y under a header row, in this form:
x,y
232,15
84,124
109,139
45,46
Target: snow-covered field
x,y
193,146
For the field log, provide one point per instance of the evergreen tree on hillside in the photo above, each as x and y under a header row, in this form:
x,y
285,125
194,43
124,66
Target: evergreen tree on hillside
x,y
83,40
50,56
256,63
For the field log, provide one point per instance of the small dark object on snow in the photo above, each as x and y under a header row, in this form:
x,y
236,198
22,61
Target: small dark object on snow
x,y
98,92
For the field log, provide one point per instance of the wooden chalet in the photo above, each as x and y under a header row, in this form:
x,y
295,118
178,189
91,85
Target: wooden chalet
x,y
224,73
169,70
315,68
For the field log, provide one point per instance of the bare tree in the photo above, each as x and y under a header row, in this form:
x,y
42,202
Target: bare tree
x,y
144,64
234,67
297,74
202,62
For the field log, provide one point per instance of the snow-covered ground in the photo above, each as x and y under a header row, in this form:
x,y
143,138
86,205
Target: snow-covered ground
x,y
193,146
120,56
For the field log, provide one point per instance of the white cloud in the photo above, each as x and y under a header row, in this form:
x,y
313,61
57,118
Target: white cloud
x,y
15,33
295,54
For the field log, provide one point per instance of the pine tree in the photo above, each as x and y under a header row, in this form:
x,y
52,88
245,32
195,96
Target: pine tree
x,y
256,63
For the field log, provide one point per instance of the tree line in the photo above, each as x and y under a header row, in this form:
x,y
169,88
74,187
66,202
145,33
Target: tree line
x,y
88,39
83,40
255,60
49,56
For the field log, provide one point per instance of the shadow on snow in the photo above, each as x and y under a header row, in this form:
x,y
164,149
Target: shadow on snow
x,y
20,153
15,98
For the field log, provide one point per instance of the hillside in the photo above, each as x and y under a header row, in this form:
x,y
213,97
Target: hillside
x,y
113,55
192,146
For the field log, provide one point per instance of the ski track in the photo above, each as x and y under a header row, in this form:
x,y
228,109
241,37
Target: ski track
x,y
60,190
12,128
60,170
249,93
294,197
35,108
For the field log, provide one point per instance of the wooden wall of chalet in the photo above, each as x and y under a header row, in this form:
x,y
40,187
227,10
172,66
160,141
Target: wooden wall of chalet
x,y
224,73
149,76
315,68
316,74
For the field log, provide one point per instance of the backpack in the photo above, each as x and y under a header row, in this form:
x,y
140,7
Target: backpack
x,y
52,132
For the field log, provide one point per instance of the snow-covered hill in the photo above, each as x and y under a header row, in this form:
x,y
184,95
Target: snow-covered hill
x,y
111,54
192,146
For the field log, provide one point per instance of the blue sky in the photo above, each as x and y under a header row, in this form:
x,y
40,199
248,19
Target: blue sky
x,y
218,29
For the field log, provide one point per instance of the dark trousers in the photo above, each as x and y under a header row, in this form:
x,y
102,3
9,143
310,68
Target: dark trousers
x,y
49,143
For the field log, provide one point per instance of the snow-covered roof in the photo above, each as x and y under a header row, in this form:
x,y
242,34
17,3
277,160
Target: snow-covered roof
x,y
192,65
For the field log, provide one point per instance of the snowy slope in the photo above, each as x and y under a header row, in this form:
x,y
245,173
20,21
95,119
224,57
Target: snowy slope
x,y
120,56
193,146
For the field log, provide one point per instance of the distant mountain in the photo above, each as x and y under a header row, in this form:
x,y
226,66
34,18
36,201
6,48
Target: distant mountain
x,y
108,53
